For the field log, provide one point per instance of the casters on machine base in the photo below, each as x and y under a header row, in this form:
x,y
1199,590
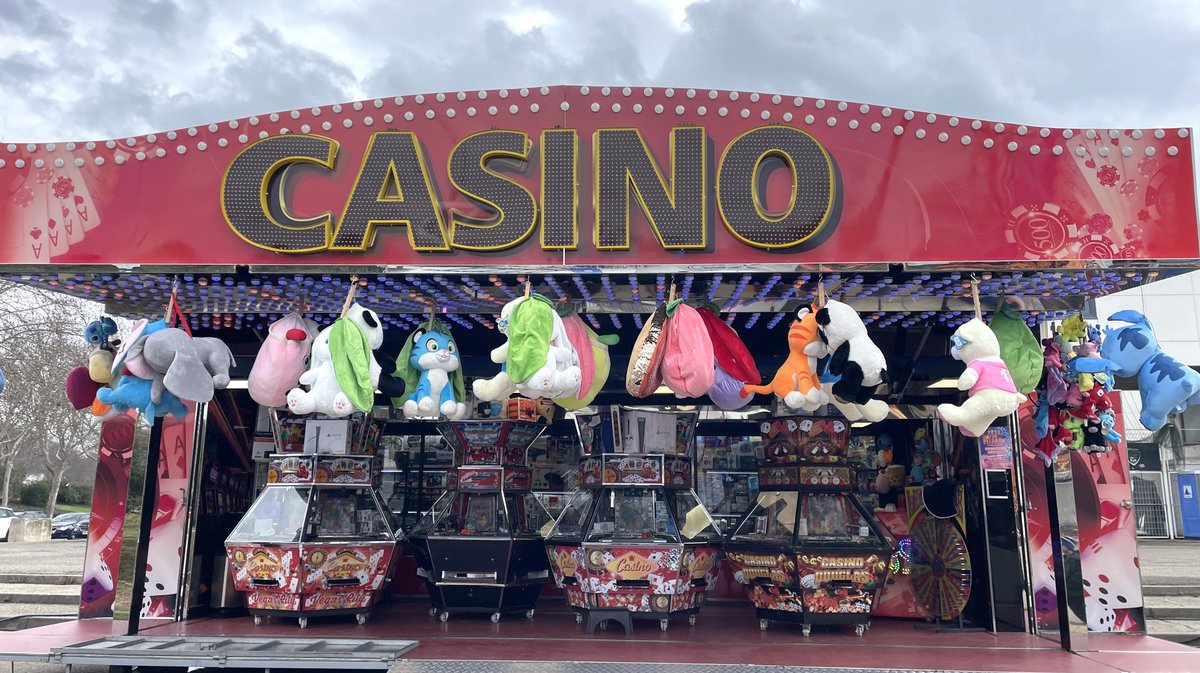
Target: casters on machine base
x,y
258,620
433,612
444,617
529,614
361,618
578,618
663,624
762,624
806,630
495,617
691,620
860,629
303,621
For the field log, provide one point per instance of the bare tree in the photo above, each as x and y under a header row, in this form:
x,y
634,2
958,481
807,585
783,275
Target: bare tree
x,y
41,339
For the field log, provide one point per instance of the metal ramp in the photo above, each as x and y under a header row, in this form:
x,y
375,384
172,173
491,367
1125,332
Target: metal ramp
x,y
233,652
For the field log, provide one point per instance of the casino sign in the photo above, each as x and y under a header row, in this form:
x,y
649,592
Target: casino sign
x,y
593,177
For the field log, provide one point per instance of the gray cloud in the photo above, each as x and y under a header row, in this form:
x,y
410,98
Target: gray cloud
x,y
113,69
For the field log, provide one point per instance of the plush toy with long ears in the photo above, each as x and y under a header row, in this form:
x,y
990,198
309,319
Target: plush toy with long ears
x,y
343,373
796,381
281,360
429,364
537,359
688,362
594,361
190,368
991,391
730,351
1019,348
1167,386
644,373
854,359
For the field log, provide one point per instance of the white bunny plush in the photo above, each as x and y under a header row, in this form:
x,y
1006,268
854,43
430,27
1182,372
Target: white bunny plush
x,y
349,342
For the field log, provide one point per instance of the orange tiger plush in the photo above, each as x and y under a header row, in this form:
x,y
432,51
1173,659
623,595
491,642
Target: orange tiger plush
x,y
796,382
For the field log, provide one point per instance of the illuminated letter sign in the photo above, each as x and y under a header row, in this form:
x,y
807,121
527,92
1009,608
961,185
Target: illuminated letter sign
x,y
492,171
513,209
676,212
254,187
741,187
393,189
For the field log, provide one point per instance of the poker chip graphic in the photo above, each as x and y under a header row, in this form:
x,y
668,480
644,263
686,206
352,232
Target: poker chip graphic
x,y
1096,246
1041,231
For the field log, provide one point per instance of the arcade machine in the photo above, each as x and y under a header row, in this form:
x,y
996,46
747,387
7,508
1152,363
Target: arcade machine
x,y
809,552
634,540
479,548
317,541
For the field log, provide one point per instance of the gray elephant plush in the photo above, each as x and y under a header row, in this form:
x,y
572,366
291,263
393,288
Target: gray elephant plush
x,y
190,368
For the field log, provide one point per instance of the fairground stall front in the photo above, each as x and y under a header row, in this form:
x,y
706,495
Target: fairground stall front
x,y
737,256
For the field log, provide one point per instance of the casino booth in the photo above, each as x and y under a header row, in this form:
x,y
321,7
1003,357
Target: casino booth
x,y
622,212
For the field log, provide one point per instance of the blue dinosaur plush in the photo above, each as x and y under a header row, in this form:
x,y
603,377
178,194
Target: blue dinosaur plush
x,y
1167,385
429,364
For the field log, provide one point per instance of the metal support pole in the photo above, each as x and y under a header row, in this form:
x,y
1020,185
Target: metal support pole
x,y
145,521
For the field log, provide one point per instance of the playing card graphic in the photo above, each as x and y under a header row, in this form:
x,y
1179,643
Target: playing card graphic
x,y
50,205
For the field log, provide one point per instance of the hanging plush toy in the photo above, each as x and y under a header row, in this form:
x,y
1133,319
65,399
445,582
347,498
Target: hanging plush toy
x,y
538,359
687,366
729,349
281,359
795,382
100,334
1167,386
133,391
1019,348
989,385
594,361
429,363
644,373
853,357
343,374
168,357
1,381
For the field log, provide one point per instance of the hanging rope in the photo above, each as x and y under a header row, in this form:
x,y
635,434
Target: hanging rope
x,y
975,298
349,296
821,292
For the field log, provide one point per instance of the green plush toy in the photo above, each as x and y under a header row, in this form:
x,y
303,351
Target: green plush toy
x,y
1019,348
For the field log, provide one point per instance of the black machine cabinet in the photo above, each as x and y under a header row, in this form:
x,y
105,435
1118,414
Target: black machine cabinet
x,y
809,551
479,548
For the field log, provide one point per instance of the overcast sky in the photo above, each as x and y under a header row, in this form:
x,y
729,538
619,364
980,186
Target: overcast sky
x,y
95,69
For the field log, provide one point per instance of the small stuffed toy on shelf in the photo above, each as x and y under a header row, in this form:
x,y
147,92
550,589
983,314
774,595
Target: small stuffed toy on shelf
x,y
1167,386
343,374
429,364
991,391
889,484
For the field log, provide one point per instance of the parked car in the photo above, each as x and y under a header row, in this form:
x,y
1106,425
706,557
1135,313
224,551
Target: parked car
x,y
70,526
32,515
6,517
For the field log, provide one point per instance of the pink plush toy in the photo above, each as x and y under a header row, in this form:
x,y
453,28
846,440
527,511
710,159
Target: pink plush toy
x,y
281,360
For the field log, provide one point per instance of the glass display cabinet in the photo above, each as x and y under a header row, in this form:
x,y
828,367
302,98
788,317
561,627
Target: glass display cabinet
x,y
635,540
479,548
317,541
809,551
